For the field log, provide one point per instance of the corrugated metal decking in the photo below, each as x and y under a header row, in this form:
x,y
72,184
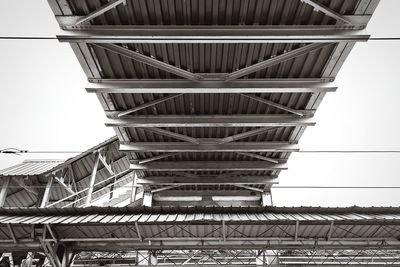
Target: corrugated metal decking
x,y
94,229
210,96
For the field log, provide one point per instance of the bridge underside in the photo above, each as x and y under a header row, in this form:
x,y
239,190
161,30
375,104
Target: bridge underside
x,y
210,96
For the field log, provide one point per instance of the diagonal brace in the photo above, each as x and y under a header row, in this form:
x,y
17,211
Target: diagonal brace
x,y
273,104
149,61
172,135
274,61
327,11
148,104
112,4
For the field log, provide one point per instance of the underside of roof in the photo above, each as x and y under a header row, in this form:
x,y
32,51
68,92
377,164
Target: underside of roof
x,y
210,95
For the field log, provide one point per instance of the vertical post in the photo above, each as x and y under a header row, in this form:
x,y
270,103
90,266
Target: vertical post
x,y
147,199
3,192
46,195
134,188
264,259
27,262
266,199
152,258
67,258
92,179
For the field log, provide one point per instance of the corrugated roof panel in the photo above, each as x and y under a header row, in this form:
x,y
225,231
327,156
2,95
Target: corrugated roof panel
x,y
30,168
220,12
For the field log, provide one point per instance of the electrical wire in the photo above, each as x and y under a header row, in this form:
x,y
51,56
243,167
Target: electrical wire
x,y
19,152
273,187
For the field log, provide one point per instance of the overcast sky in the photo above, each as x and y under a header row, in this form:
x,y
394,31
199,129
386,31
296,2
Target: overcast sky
x,y
44,106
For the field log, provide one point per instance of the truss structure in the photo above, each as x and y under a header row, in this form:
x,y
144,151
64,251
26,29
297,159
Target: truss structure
x,y
208,100
90,178
210,96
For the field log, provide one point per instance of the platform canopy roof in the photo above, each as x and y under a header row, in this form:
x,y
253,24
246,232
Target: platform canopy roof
x,y
66,182
121,229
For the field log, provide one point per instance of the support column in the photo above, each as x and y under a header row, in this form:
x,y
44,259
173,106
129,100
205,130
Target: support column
x,y
134,188
147,199
67,258
266,199
272,257
27,262
4,189
152,258
92,179
46,195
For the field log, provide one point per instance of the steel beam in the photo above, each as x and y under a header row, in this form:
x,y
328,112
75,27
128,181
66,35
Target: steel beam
x,y
46,195
124,86
92,179
106,165
210,121
4,189
147,199
75,21
275,60
274,104
208,166
273,160
119,245
210,147
125,52
327,11
155,158
215,34
174,135
201,193
246,134
63,185
147,104
237,180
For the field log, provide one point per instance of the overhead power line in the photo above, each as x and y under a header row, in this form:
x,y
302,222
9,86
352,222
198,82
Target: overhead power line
x,y
274,187
19,151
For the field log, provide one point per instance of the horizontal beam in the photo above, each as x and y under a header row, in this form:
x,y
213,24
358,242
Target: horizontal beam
x,y
236,180
202,193
208,166
211,121
184,86
173,243
210,147
198,201
214,34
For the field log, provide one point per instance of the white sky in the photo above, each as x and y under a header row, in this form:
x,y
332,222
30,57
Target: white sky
x,y
44,106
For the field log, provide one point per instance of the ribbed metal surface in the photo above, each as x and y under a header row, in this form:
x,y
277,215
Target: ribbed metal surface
x,y
215,12
107,60
212,58
345,224
30,168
